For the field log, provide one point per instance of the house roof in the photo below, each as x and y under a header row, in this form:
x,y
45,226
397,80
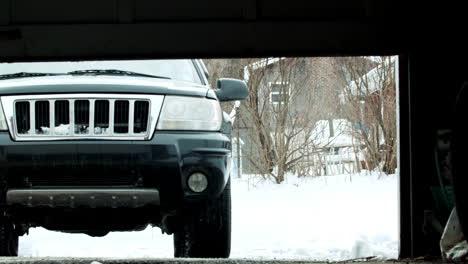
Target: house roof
x,y
371,81
259,64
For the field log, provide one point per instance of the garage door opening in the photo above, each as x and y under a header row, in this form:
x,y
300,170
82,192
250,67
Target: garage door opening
x,y
314,163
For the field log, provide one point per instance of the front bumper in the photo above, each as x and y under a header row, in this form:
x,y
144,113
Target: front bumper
x,y
79,198
163,164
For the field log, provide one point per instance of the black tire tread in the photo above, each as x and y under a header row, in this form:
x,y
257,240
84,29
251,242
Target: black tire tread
x,y
206,229
8,238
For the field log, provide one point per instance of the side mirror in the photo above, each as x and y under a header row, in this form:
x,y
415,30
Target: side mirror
x,y
231,90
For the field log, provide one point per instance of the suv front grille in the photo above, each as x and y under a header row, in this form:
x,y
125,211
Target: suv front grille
x,y
93,116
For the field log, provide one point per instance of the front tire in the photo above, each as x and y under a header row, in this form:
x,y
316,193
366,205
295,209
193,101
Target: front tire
x,y
206,229
8,238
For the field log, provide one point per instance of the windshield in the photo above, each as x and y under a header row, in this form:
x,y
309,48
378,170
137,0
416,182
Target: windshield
x,y
180,70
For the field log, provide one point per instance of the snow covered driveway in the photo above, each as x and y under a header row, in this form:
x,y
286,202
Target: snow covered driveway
x,y
328,218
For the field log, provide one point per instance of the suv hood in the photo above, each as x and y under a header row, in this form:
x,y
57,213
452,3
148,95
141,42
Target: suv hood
x,y
99,84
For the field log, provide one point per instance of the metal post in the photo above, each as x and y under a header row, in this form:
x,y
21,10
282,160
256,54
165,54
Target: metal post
x,y
238,146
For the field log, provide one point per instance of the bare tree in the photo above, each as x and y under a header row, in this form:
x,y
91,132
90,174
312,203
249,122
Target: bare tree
x,y
370,101
287,96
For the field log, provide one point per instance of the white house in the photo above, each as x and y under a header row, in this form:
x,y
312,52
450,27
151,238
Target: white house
x,y
338,152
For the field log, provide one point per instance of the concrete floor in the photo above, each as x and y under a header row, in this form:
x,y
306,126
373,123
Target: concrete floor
x,y
29,260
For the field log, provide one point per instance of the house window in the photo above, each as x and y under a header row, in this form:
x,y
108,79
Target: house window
x,y
279,92
335,151
332,150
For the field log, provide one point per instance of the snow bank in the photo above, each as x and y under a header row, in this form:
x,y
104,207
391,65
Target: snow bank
x,y
326,218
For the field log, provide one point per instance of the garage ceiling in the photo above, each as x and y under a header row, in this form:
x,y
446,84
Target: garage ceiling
x,y
54,29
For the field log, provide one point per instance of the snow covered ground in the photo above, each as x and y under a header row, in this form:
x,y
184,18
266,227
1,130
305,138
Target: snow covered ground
x,y
327,218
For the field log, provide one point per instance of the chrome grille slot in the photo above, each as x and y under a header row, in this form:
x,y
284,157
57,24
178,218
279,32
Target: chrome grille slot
x,y
42,117
139,117
101,116
81,117
22,117
121,116
62,114
93,116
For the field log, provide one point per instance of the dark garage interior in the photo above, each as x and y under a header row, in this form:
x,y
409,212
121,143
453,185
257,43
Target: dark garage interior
x,y
431,50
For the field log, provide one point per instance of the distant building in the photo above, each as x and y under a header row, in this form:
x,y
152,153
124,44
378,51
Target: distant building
x,y
321,79
338,151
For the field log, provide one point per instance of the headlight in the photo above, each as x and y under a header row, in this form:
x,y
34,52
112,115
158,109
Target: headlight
x,y
190,113
3,123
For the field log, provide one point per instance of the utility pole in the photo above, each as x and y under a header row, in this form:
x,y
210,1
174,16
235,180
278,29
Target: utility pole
x,y
238,151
